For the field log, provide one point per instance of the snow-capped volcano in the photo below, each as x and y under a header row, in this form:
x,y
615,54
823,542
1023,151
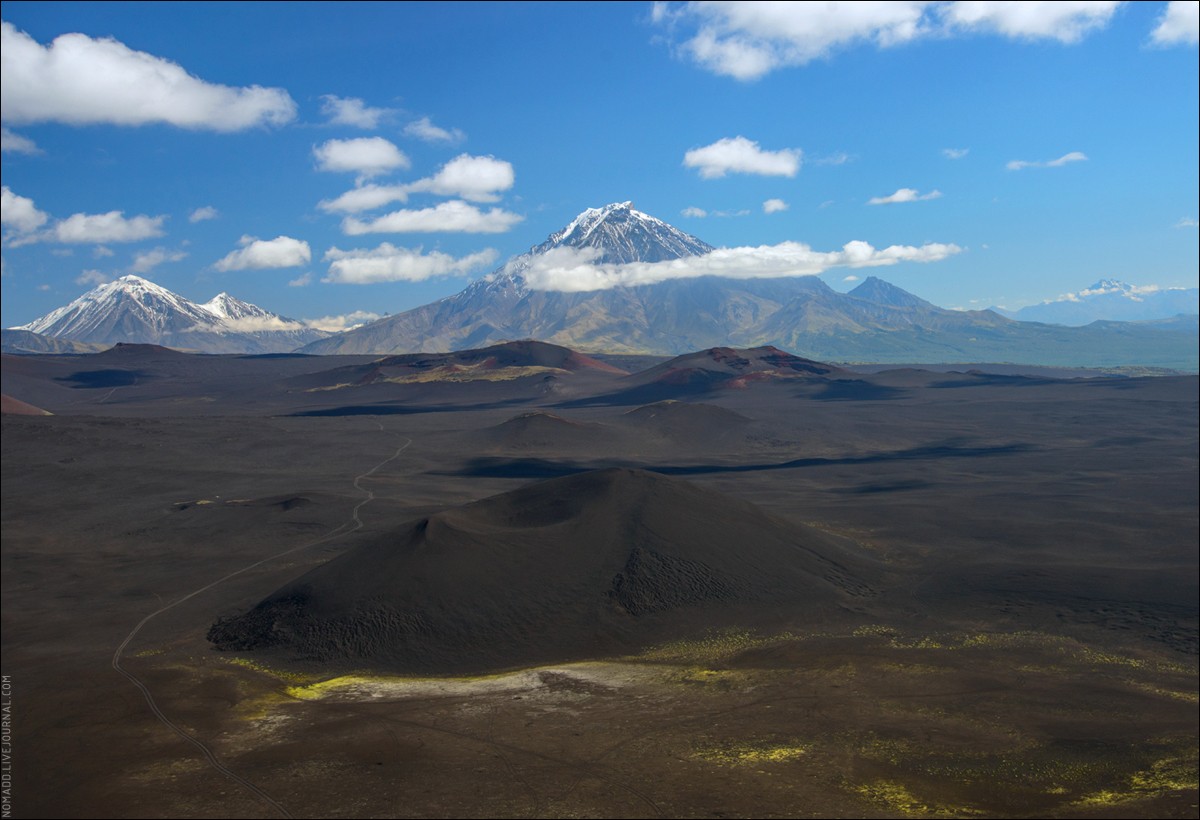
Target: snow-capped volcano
x,y
133,309
623,234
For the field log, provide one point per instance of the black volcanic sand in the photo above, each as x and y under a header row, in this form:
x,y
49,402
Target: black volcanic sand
x,y
1029,649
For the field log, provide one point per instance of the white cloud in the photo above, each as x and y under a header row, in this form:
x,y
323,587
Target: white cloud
x,y
1074,156
260,254
424,129
64,252
109,227
850,278
204,213
573,269
365,198
100,252
19,213
1188,222
366,156
353,111
347,321
742,156
694,213
955,153
388,263
13,143
774,206
81,81
258,324
748,40
477,179
93,278
301,281
1067,22
1178,25
146,261
904,195
454,216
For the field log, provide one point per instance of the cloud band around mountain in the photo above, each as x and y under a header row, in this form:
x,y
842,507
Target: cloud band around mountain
x,y
573,270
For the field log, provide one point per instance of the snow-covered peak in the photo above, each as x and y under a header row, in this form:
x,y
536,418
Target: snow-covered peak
x,y
224,306
133,309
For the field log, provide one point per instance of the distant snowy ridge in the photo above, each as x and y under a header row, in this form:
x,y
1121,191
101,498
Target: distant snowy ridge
x,y
133,309
1112,300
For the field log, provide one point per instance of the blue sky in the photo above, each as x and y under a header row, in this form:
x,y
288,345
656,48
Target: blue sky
x,y
327,161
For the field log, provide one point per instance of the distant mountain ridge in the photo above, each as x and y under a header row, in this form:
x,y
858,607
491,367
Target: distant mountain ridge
x,y
135,310
875,322
1112,300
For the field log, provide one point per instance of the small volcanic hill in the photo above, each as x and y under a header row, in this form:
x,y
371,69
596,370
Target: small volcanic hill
x,y
691,423
501,362
544,432
590,565
720,368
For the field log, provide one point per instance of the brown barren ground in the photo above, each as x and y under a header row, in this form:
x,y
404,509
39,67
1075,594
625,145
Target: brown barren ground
x,y
1029,649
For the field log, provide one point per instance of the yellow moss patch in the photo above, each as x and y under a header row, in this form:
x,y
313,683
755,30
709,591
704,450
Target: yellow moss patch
x,y
750,753
262,668
895,797
1169,774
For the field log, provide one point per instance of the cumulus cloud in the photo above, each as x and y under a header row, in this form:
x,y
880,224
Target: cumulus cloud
x,y
850,278
92,277
347,321
202,214
79,80
388,263
1065,22
261,254
478,179
574,270
454,216
366,156
101,252
109,227
955,153
739,155
1074,156
774,206
424,129
19,213
13,143
302,281
146,261
365,198
694,213
1178,25
353,111
1188,222
748,40
904,195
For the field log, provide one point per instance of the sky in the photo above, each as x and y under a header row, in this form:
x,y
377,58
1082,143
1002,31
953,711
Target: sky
x,y
338,162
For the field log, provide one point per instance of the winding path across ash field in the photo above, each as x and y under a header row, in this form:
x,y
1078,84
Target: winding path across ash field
x,y
350,526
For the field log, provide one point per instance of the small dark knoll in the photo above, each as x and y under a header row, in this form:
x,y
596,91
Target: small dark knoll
x,y
585,566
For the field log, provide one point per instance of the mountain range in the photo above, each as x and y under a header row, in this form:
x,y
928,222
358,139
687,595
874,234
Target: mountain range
x,y
1114,301
135,310
874,322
